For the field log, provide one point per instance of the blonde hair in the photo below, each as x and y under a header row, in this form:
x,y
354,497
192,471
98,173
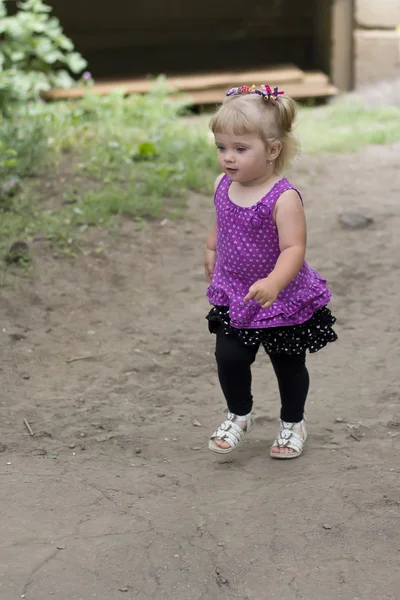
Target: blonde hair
x,y
251,113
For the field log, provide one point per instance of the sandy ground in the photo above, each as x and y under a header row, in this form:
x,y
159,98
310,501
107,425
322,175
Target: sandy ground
x,y
117,496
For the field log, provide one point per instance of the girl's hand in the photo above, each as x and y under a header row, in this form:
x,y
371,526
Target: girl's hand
x,y
210,258
265,291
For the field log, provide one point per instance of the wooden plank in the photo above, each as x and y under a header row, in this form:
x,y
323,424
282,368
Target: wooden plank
x,y
278,75
342,49
316,77
215,96
295,90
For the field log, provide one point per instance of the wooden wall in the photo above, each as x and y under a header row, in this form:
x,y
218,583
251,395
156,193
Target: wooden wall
x,y
127,36
125,22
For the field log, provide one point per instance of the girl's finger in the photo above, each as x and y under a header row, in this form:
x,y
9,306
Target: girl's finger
x,y
266,304
251,294
261,297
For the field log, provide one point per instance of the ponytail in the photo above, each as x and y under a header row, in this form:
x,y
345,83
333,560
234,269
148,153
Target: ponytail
x,y
286,112
286,108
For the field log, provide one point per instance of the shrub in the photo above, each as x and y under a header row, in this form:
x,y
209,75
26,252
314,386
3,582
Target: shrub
x,y
35,54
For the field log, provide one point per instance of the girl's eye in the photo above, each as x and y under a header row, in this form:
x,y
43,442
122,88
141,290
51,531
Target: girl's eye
x,y
220,148
240,149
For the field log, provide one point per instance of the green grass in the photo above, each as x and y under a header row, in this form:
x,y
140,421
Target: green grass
x,y
107,158
115,157
347,127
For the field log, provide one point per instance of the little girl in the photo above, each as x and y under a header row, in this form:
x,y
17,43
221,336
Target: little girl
x,y
262,290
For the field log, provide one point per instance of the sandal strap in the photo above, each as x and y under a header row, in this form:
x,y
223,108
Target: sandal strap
x,y
230,432
288,438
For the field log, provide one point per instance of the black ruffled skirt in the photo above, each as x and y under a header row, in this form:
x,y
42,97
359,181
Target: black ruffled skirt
x,y
312,335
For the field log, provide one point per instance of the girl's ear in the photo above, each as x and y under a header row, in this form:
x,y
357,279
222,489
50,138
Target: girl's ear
x,y
274,150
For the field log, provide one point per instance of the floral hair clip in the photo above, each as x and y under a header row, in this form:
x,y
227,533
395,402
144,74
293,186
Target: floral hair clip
x,y
243,89
271,96
266,92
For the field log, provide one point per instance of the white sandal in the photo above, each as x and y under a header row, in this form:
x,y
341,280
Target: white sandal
x,y
231,433
287,438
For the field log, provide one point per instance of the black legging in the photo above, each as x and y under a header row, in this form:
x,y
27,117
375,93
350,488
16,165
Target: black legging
x,y
234,362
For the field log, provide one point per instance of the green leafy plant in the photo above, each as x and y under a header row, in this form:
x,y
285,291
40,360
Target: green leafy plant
x,y
23,144
35,54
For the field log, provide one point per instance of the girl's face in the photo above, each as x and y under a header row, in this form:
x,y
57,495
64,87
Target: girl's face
x,y
244,158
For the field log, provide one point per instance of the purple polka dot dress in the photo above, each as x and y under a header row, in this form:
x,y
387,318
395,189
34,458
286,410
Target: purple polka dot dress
x,y
247,250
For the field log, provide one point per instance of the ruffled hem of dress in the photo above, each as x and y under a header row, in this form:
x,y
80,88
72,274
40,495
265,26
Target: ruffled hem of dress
x,y
312,335
217,296
297,310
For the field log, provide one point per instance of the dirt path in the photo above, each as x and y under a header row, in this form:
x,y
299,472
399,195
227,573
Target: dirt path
x,y
139,508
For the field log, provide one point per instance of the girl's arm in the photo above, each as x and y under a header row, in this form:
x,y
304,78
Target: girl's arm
x,y
210,253
211,243
292,230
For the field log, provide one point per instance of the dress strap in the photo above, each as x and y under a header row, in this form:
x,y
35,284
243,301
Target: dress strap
x,y
283,185
222,185
288,186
